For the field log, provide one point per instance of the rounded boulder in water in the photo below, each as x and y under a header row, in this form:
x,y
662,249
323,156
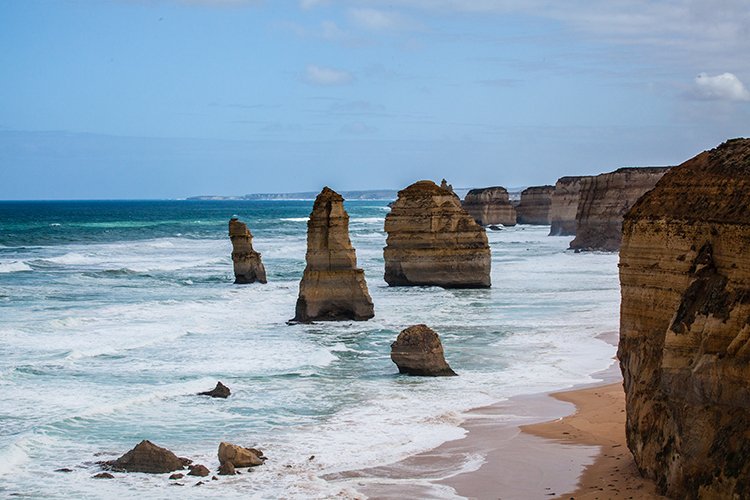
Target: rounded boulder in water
x,y
418,351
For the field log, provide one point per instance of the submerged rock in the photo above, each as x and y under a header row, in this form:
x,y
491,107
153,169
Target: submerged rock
x,y
239,456
433,241
490,205
685,326
103,475
534,206
564,206
248,268
199,470
333,288
418,351
227,469
147,457
220,391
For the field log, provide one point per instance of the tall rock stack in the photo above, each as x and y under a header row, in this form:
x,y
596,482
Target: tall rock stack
x,y
332,287
248,268
534,206
564,206
490,206
604,201
433,241
685,326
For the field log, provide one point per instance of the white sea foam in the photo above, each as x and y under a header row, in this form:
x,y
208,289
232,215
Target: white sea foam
x,y
14,266
295,219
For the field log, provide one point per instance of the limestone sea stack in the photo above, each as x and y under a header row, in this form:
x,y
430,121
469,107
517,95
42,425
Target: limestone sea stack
x,y
433,241
490,205
564,206
685,326
248,268
534,205
332,287
418,351
603,202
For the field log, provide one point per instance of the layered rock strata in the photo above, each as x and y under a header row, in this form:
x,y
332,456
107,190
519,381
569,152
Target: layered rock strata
x,y
418,351
248,268
490,206
685,326
535,205
564,206
433,241
332,287
604,201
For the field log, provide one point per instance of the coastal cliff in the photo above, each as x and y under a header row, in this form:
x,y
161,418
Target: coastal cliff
x,y
433,241
490,206
534,206
685,326
564,206
248,268
604,201
332,287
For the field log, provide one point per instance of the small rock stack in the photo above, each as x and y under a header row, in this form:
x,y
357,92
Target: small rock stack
x,y
248,268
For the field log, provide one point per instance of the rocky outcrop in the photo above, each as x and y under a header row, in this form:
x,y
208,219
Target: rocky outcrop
x,y
490,206
685,326
199,470
248,267
564,206
535,205
147,457
604,201
220,391
418,351
333,287
433,241
239,456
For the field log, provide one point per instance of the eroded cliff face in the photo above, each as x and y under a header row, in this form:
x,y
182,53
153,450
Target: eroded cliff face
x,y
564,206
535,205
490,206
433,241
685,326
332,287
248,268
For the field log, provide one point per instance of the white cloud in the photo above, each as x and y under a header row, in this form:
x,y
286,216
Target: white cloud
x,y
723,87
377,20
319,75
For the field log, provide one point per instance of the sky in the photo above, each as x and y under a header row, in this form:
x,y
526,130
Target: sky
x,y
105,99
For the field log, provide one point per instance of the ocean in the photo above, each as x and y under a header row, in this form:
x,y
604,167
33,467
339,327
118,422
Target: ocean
x,y
114,314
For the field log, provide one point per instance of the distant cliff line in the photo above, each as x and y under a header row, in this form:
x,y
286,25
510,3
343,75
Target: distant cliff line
x,y
367,194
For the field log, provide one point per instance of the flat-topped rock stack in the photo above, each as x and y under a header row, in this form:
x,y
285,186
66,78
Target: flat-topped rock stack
x,y
535,205
332,287
248,268
604,201
433,241
490,206
685,326
564,206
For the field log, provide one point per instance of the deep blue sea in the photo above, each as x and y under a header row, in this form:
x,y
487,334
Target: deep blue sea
x,y
113,314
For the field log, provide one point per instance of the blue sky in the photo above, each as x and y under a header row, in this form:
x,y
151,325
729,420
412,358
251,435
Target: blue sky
x,y
170,98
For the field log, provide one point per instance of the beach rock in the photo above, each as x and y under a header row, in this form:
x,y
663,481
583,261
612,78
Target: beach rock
x,y
433,241
248,267
176,475
220,391
227,469
564,206
535,205
64,469
199,470
685,326
418,351
604,200
103,475
147,457
239,456
490,206
333,288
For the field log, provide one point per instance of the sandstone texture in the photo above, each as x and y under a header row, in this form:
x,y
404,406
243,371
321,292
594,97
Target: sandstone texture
x,y
535,205
239,456
332,287
604,201
685,326
564,206
248,267
220,391
147,457
418,351
433,241
490,206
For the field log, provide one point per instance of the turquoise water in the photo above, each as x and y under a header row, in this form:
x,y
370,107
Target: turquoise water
x,y
114,314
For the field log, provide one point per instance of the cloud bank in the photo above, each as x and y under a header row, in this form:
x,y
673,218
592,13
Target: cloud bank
x,y
723,87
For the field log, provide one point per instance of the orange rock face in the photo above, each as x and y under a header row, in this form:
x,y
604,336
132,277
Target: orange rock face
x,y
418,351
248,268
535,205
490,206
685,326
433,241
564,206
